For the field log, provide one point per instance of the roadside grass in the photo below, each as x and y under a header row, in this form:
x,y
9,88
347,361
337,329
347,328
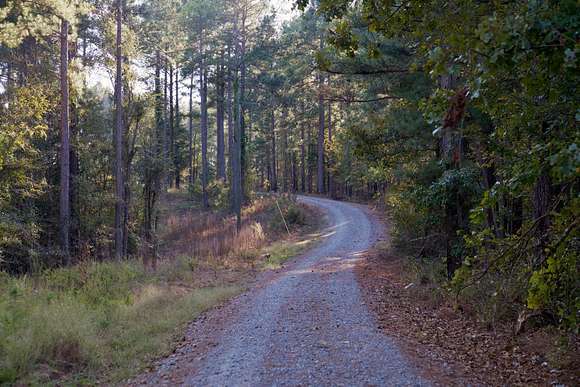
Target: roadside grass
x,y
103,318
105,321
280,252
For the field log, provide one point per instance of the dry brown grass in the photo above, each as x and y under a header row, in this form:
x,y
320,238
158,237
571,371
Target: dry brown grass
x,y
212,240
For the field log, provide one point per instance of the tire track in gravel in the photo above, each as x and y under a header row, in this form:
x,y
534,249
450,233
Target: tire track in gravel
x,y
305,326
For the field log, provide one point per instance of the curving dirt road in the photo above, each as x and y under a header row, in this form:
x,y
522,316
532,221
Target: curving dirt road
x,y
304,326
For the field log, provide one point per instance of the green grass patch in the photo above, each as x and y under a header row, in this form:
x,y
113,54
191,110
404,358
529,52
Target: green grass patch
x,y
93,322
280,252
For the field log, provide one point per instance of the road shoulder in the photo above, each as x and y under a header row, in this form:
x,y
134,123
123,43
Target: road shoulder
x,y
447,347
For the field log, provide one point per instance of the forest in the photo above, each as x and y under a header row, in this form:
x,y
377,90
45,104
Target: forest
x,y
457,120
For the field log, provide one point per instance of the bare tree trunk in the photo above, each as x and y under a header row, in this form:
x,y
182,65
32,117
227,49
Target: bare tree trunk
x,y
75,215
154,177
64,209
310,161
268,166
119,181
74,163
285,153
176,162
203,106
190,148
541,210
220,89
242,97
274,183
171,129
237,141
229,112
159,108
330,161
294,172
130,151
302,160
237,162
165,138
320,144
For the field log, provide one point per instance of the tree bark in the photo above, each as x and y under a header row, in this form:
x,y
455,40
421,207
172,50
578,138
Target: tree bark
x,y
541,208
274,183
171,129
75,215
119,137
237,162
176,155
330,160
203,106
242,97
294,172
320,144
302,160
153,176
229,112
220,89
165,138
285,152
190,137
64,209
237,140
159,109
310,161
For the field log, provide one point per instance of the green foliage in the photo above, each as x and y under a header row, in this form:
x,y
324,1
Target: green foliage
x,y
219,192
555,285
295,215
21,127
453,186
20,20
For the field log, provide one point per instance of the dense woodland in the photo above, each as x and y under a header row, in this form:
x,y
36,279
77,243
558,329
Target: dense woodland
x,y
460,116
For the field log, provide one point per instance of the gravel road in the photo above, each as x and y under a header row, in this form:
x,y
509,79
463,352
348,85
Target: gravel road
x,y
307,325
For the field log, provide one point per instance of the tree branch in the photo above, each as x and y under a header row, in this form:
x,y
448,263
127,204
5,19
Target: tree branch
x,y
352,100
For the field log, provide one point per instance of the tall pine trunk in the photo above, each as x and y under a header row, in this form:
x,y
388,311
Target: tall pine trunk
x,y
229,112
171,129
320,160
176,163
310,161
237,162
165,137
242,104
330,176
203,106
119,182
190,137
152,184
274,182
74,164
220,90
302,160
64,209
285,155
237,140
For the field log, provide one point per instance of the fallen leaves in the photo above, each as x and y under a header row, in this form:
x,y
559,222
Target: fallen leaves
x,y
451,349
